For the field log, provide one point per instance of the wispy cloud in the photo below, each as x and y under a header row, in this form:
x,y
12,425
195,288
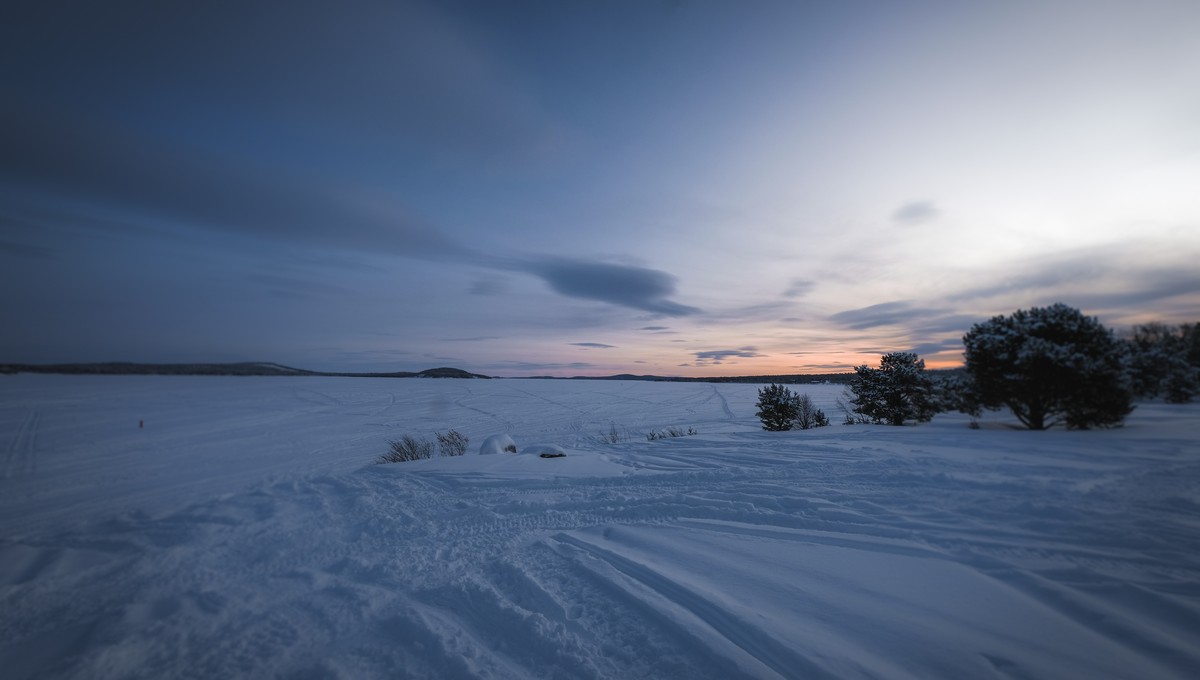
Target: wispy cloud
x,y
593,345
718,356
799,288
530,366
297,287
1096,278
936,347
914,213
26,250
168,184
623,285
882,314
488,286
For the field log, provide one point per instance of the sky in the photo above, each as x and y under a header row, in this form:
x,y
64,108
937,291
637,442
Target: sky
x,y
588,188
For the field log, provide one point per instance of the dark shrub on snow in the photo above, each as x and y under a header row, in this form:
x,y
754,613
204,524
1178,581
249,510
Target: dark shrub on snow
x,y
453,443
405,449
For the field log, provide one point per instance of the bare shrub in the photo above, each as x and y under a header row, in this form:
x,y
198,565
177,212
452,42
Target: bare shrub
x,y
808,416
453,443
614,436
670,432
853,417
405,449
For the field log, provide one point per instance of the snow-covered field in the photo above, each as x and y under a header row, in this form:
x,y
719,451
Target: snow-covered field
x,y
244,532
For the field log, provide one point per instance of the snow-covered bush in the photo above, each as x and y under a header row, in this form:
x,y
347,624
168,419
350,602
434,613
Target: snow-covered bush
x,y
776,408
1049,365
897,391
405,449
544,451
453,443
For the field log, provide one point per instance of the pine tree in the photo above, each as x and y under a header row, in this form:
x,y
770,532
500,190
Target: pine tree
x,y
776,408
1049,365
897,391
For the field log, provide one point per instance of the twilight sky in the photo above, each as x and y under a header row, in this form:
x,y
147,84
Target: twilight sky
x,y
587,188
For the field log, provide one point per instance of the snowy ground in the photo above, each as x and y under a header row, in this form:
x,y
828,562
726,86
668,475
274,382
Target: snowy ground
x,y
243,532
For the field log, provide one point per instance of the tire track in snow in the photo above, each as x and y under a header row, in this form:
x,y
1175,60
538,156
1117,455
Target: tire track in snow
x,y
21,455
316,398
744,635
503,422
724,404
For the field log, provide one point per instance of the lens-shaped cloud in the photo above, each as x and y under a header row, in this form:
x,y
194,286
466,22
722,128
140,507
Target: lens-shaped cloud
x,y
623,285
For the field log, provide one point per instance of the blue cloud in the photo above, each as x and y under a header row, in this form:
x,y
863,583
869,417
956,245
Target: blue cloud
x,y
914,213
623,285
718,356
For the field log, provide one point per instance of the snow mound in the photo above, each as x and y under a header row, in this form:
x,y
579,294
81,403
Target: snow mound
x,y
497,443
544,450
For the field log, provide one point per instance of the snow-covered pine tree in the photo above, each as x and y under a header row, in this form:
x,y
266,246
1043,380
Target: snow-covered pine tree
x,y
1049,365
776,408
897,391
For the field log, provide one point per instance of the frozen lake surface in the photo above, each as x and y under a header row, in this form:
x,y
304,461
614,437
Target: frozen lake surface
x,y
242,531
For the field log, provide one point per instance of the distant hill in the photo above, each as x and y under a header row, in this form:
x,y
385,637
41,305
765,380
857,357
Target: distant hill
x,y
447,373
265,368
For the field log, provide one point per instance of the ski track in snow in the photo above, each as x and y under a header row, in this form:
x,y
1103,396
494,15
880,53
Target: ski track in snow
x,y
243,534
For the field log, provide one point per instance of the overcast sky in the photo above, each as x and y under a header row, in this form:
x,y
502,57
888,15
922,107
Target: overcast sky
x,y
587,188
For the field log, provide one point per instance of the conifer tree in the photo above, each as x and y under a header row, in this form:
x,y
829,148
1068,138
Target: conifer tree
x,y
1049,365
898,391
776,408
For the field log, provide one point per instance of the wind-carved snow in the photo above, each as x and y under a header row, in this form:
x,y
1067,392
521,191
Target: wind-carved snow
x,y
497,444
242,533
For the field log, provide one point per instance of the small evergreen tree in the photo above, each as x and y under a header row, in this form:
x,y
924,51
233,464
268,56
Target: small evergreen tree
x,y
897,391
776,408
1049,365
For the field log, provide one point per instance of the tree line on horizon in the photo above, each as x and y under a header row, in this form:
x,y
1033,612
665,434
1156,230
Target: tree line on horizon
x,y
1048,365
